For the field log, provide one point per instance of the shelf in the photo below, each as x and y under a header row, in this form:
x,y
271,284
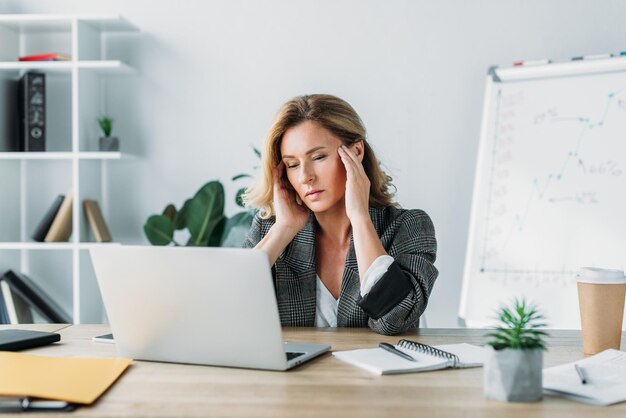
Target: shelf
x,y
107,67
60,155
51,246
33,23
101,67
77,94
57,66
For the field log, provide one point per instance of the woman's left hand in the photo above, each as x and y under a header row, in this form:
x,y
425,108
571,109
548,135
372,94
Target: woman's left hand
x,y
357,185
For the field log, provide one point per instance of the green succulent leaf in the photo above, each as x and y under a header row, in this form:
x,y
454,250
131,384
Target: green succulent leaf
x,y
106,124
159,229
519,328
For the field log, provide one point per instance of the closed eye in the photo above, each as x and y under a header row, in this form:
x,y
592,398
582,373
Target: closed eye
x,y
319,157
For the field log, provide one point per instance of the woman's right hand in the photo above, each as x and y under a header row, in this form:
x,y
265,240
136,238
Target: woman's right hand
x,y
289,214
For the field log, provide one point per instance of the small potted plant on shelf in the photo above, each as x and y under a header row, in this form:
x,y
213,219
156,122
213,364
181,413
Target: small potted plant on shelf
x,y
513,368
107,142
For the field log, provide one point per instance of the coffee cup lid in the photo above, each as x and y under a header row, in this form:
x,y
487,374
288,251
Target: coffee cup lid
x,y
599,275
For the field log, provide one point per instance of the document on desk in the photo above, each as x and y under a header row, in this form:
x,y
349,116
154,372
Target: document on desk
x,y
428,358
605,382
75,380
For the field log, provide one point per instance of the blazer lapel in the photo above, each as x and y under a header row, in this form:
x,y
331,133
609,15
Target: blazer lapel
x,y
300,295
300,254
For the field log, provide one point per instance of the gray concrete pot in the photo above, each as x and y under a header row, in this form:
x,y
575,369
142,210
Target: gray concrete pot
x,y
513,375
109,143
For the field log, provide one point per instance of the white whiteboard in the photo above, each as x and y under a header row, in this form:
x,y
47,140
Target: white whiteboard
x,y
550,188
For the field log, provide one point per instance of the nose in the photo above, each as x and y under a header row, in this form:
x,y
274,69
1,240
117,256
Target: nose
x,y
306,174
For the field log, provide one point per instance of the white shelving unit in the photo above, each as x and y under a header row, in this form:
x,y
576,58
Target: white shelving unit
x,y
76,95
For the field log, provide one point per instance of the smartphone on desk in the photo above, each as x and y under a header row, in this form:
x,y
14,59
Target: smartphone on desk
x,y
106,338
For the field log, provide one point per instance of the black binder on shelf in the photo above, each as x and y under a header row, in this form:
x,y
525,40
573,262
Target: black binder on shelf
x,y
32,112
4,312
36,298
13,308
45,223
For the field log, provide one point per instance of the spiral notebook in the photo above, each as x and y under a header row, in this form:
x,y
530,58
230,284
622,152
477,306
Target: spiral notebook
x,y
428,357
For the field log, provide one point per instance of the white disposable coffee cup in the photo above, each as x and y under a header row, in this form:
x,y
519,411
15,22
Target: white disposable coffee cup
x,y
601,295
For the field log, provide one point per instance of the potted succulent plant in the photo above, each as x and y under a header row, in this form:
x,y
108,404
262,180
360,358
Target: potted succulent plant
x,y
513,368
107,142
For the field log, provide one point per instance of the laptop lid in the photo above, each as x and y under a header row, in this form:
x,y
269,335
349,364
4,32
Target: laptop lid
x,y
199,305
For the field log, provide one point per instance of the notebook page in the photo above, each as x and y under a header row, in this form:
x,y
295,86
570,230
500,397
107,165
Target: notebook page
x,y
469,355
379,361
605,371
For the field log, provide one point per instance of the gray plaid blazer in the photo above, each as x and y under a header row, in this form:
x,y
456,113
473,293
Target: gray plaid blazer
x,y
395,302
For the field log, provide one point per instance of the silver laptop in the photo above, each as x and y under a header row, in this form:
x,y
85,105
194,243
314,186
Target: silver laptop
x,y
198,305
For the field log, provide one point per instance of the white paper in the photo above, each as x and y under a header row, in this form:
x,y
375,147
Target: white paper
x,y
606,375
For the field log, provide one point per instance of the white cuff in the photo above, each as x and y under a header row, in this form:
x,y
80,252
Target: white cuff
x,y
373,274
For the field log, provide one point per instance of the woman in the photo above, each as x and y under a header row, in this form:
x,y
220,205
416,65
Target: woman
x,y
343,254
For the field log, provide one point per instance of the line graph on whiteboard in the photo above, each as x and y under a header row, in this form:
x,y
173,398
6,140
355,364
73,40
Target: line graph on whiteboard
x,y
554,199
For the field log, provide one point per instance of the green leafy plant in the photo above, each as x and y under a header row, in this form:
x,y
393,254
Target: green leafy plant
x,y
203,216
106,124
519,328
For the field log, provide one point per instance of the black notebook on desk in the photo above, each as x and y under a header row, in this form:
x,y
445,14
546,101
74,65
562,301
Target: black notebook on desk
x,y
427,357
20,339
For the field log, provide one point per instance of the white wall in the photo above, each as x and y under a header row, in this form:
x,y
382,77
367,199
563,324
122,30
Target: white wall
x,y
214,72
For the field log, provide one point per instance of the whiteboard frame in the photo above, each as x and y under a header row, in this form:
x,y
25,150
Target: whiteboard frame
x,y
474,210
495,77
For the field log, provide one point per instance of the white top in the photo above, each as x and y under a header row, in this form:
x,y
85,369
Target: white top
x,y
326,304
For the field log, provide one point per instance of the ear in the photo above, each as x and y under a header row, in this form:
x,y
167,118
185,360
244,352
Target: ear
x,y
359,149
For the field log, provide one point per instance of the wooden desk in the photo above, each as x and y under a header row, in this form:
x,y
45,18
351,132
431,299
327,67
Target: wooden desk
x,y
324,387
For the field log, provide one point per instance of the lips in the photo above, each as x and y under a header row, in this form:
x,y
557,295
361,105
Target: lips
x,y
312,194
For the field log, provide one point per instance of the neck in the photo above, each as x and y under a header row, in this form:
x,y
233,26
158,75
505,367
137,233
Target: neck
x,y
334,227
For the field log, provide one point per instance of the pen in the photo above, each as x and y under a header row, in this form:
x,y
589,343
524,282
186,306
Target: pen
x,y
19,404
394,350
10,404
581,374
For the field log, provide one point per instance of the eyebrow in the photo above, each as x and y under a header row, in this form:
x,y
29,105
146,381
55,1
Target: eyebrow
x,y
311,151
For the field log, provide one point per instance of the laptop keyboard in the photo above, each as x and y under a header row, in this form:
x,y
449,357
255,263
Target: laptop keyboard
x,y
292,355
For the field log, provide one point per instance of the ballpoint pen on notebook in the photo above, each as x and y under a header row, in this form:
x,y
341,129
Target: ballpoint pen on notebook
x,y
581,373
394,350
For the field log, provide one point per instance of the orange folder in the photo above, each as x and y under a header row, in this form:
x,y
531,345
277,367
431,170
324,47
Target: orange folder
x,y
74,380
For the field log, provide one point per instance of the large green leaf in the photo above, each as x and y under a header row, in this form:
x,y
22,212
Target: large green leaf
x,y
204,212
159,230
236,229
180,220
216,235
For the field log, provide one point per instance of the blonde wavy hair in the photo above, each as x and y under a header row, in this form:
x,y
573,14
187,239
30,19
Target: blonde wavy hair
x,y
338,117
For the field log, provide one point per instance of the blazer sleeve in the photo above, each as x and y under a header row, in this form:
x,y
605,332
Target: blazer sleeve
x,y
255,233
398,299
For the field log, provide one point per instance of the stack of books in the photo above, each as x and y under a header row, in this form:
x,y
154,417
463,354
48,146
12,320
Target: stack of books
x,y
56,224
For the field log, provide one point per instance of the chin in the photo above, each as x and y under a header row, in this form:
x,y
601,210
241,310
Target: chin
x,y
321,207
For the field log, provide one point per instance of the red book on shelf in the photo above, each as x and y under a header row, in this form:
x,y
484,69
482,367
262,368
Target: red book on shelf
x,y
52,56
